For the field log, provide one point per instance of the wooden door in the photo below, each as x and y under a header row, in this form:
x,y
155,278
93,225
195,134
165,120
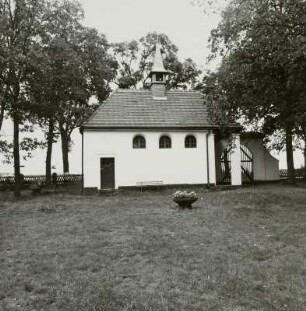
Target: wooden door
x,y
107,173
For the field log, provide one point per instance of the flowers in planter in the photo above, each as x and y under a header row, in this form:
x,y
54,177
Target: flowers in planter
x,y
179,194
184,198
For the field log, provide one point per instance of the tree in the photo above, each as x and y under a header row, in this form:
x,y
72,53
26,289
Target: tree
x,y
46,90
135,61
73,65
20,24
184,75
3,100
126,54
210,6
92,70
262,75
48,83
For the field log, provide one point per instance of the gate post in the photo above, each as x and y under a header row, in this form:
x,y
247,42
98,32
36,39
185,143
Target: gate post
x,y
236,161
211,157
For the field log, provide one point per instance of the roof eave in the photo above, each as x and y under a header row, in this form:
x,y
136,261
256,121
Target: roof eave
x,y
105,128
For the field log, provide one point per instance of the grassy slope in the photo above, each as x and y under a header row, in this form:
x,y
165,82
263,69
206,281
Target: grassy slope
x,y
238,250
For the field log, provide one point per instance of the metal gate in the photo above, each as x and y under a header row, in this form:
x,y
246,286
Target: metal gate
x,y
247,173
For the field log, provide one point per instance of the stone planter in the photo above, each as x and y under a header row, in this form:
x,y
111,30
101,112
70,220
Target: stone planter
x,y
184,202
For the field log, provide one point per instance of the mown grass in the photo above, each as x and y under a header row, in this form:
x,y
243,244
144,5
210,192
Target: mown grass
x,y
236,250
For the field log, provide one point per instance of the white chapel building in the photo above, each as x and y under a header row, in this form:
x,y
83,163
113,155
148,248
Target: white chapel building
x,y
155,135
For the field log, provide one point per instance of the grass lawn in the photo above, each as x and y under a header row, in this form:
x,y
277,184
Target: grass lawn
x,y
236,250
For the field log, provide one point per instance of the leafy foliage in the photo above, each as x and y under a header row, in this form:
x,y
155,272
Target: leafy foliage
x,y
20,27
50,66
127,55
262,75
73,66
135,61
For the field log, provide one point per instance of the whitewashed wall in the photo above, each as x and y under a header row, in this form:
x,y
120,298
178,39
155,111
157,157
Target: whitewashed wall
x,y
178,165
266,167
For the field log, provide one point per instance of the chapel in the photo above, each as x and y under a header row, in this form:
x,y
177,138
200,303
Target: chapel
x,y
158,136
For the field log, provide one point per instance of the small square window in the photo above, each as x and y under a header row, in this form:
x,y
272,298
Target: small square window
x,y
159,77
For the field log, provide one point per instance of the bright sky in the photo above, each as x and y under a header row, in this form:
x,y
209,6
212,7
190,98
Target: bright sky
x,y
124,20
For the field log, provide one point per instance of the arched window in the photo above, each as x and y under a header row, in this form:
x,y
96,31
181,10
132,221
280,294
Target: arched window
x,y
139,142
190,142
164,142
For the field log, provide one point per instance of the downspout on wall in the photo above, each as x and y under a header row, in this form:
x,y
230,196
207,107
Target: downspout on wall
x,y
207,160
81,132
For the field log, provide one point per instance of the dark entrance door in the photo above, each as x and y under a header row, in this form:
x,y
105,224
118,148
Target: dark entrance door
x,y
107,173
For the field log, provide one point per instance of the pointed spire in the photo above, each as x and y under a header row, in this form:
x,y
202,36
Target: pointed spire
x,y
158,63
158,75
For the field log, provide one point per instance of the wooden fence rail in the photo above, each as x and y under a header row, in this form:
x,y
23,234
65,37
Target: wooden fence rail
x,y
8,182
299,173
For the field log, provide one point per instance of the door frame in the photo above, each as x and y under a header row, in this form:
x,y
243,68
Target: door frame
x,y
114,175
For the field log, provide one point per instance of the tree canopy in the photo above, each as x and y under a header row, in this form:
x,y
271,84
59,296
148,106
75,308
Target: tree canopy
x,y
73,65
135,61
262,74
20,24
50,66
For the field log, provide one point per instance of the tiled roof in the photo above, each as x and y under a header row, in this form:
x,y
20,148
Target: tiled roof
x,y
138,109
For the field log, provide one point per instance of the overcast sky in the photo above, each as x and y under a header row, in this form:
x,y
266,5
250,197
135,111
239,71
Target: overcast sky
x,y
124,20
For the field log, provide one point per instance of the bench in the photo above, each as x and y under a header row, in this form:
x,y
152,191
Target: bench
x,y
153,183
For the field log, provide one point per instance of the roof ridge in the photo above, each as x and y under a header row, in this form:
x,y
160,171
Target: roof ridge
x,y
184,91
131,90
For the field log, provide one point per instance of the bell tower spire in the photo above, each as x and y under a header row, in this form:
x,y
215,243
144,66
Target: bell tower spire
x,y
158,75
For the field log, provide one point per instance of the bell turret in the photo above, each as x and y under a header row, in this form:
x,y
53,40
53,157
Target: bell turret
x,y
158,75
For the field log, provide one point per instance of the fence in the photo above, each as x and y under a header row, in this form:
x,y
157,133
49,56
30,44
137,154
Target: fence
x,y
299,173
8,182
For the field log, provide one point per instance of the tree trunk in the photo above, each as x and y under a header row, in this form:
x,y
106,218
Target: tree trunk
x,y
305,161
65,149
305,150
2,110
289,151
49,151
16,154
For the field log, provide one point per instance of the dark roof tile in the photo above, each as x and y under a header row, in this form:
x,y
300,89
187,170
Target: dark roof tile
x,y
133,108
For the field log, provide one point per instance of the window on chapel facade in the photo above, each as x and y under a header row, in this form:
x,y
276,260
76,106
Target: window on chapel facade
x,y
165,142
139,142
190,142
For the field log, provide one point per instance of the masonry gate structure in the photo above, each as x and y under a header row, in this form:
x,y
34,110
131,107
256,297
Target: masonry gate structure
x,y
247,172
257,164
